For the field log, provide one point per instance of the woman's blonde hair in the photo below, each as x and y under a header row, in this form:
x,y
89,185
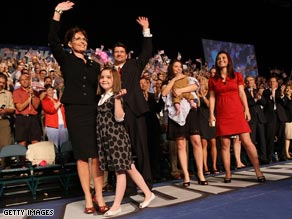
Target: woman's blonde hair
x,y
202,79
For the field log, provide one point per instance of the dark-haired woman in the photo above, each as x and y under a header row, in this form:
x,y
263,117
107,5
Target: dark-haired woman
x,y
79,98
228,101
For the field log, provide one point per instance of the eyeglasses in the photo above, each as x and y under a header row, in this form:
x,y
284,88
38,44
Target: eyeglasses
x,y
80,38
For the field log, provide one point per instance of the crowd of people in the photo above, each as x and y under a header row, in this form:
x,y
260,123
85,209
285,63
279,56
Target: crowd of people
x,y
123,117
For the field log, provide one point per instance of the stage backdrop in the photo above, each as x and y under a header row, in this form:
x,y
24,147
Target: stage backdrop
x,y
243,55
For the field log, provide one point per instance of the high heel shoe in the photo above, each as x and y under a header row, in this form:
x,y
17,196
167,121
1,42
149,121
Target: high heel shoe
x,y
186,184
101,209
261,179
145,204
207,172
111,213
227,180
202,182
90,210
215,171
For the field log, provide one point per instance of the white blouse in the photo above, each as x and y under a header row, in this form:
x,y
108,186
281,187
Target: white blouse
x,y
105,97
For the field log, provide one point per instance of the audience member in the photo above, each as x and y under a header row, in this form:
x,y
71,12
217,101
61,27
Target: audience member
x,y
7,110
288,125
55,122
275,126
208,133
154,128
27,121
258,118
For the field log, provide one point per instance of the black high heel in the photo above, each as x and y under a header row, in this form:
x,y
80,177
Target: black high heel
x,y
202,182
215,171
261,179
186,184
227,180
207,172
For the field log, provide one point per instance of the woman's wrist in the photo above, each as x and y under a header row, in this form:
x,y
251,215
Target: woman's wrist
x,y
59,11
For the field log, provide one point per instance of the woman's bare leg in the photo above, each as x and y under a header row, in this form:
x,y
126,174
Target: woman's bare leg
x,y
84,177
98,180
225,153
251,152
198,155
183,157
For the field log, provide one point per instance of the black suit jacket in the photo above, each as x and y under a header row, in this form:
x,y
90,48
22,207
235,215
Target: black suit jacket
x,y
256,112
131,73
80,78
288,108
269,105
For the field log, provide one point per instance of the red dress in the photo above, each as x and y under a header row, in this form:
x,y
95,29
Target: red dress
x,y
229,110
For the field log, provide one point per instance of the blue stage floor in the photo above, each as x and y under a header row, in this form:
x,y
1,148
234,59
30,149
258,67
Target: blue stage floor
x,y
243,198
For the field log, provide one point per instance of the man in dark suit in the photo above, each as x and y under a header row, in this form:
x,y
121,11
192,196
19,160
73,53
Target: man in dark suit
x,y
135,105
275,127
258,119
154,128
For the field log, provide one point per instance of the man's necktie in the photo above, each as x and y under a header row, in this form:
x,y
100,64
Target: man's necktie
x,y
119,71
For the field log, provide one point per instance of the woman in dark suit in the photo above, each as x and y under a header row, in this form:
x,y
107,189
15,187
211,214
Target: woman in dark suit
x,y
79,97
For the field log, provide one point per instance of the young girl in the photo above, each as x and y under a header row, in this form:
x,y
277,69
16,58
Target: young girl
x,y
114,147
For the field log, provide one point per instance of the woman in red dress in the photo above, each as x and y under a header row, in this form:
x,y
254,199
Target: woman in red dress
x,y
228,102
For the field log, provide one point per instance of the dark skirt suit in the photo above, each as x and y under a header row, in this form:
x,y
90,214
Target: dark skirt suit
x,y
79,96
81,124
